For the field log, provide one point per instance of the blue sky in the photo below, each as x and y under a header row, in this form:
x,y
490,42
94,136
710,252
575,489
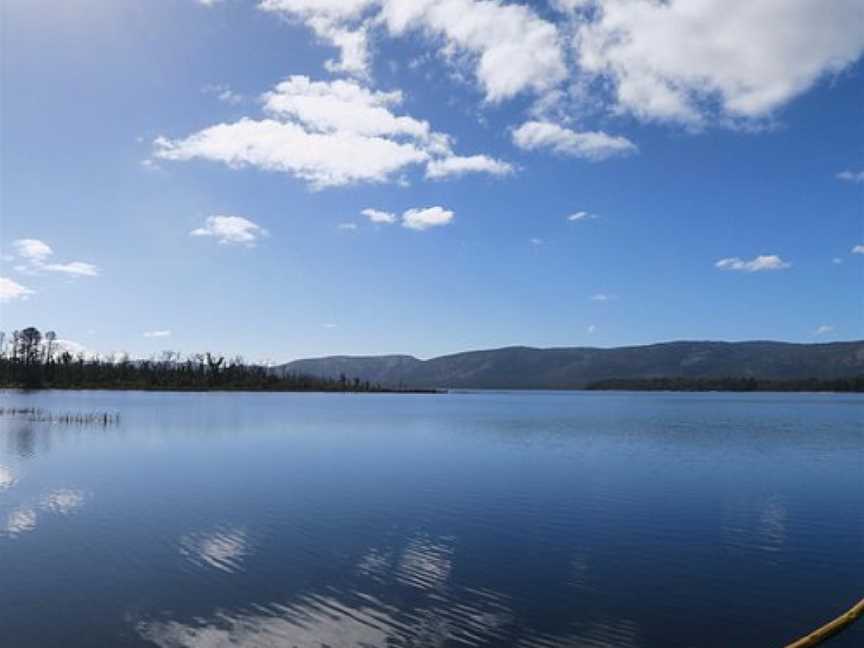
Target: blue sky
x,y
193,175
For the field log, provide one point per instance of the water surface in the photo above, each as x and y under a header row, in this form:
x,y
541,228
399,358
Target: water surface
x,y
467,519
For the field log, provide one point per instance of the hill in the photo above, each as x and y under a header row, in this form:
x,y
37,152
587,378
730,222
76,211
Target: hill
x,y
577,367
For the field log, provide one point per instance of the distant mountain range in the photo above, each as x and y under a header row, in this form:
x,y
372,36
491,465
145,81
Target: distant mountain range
x,y
577,367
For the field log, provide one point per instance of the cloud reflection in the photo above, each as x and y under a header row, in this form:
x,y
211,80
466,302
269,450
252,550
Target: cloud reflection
x,y
311,622
426,563
223,549
22,520
7,478
64,501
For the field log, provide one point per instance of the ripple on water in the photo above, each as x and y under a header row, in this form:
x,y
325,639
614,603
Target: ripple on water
x,y
21,520
222,549
7,478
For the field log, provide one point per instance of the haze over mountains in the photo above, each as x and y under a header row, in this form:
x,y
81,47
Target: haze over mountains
x,y
577,367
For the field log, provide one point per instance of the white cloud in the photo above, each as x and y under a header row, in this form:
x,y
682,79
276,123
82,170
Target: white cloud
x,y
378,216
347,226
691,60
858,249
824,329
457,165
35,253
329,325
77,268
231,229
32,249
157,334
760,263
536,241
72,347
603,297
150,165
581,216
328,133
508,46
851,176
10,290
589,145
343,105
837,260
223,93
421,219
337,21
591,329
322,159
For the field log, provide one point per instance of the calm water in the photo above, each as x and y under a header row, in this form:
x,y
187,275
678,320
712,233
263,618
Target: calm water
x,y
485,519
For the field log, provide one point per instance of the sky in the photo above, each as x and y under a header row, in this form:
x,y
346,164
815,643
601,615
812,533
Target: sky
x,y
293,178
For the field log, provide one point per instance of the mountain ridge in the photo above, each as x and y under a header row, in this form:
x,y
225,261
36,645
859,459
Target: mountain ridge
x,y
525,367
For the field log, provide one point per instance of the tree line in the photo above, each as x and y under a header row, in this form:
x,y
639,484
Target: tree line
x,y
732,384
30,359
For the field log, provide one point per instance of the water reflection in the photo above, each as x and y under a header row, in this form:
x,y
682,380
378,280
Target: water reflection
x,y
468,618
313,621
485,520
772,524
24,518
426,563
64,501
23,438
758,524
21,520
7,478
222,549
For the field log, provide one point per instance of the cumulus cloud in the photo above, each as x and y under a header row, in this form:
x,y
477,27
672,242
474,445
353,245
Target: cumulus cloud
x,y
327,133
589,145
231,230
34,255
339,22
603,297
581,216
322,159
688,61
858,249
157,334
32,249
11,290
760,263
378,216
508,47
422,219
691,60
343,105
851,176
457,165
824,329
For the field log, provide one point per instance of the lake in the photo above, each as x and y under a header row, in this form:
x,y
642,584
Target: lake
x,y
529,519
